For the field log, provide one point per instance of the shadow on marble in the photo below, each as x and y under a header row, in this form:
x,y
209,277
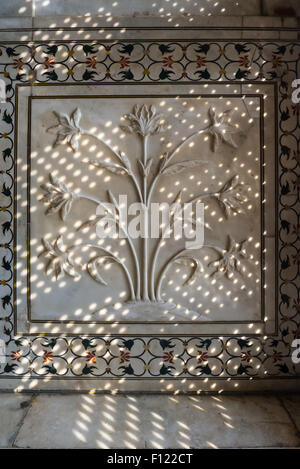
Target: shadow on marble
x,y
106,421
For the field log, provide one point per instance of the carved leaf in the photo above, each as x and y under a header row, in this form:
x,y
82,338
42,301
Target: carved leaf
x,y
196,264
76,116
126,161
92,268
113,200
145,170
89,223
178,198
47,246
230,184
66,208
221,129
232,196
112,167
56,181
181,166
107,260
59,244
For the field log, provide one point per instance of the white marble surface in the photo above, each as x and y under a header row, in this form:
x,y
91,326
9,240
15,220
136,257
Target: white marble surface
x,y
148,421
104,114
137,7
13,409
144,7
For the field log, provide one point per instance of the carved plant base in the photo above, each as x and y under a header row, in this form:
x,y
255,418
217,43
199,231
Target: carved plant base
x,y
152,311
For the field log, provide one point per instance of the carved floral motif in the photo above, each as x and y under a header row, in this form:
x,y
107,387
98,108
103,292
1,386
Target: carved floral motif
x,y
220,129
58,196
145,122
67,130
230,259
61,261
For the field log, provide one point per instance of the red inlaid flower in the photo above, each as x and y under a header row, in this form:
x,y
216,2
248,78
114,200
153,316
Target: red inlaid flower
x,y
18,63
246,356
244,61
91,356
16,355
48,62
124,61
168,61
200,61
91,62
124,356
47,356
168,357
202,357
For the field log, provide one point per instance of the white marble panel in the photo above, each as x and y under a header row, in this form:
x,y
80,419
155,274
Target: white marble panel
x,y
214,300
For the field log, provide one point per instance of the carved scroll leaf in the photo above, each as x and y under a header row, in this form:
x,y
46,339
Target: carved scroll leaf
x,y
92,269
194,263
93,265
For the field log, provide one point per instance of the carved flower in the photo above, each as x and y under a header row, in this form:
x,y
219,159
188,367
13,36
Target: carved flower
x,y
59,197
220,129
67,130
61,261
230,261
144,120
232,196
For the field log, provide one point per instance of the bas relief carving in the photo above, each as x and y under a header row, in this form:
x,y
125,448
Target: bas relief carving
x,y
144,288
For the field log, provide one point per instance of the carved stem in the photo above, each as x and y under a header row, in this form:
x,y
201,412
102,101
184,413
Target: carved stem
x,y
137,186
171,156
169,262
158,247
117,260
107,145
152,189
163,273
202,196
129,240
155,256
146,221
184,142
118,156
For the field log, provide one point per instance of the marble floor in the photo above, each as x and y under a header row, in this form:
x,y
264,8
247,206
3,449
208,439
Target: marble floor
x,y
149,421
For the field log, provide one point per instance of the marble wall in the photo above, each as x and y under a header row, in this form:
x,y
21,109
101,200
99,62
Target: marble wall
x,y
145,7
95,109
